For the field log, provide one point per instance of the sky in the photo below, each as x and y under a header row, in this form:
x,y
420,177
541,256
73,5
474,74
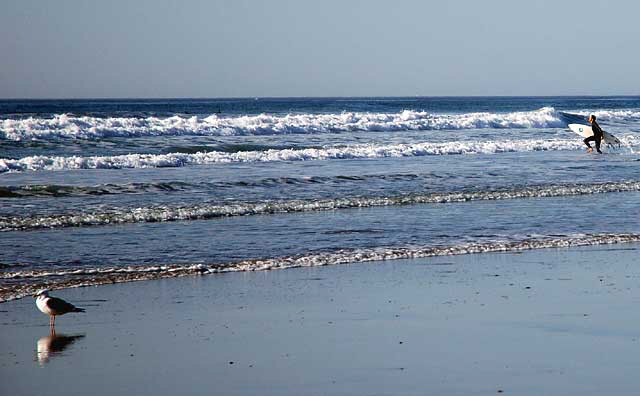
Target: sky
x,y
277,48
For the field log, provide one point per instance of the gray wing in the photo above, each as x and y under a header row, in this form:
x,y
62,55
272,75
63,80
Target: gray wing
x,y
59,306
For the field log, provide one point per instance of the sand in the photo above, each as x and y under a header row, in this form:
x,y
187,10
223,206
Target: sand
x,y
553,321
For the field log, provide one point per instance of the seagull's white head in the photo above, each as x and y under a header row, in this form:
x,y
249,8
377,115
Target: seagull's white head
x,y
43,292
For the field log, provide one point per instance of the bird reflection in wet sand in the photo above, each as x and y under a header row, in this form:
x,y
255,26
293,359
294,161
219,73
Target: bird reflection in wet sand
x,y
54,345
53,306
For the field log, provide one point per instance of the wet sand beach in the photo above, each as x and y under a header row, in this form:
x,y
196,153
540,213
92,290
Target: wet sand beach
x,y
552,321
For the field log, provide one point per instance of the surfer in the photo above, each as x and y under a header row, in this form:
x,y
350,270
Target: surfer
x,y
597,135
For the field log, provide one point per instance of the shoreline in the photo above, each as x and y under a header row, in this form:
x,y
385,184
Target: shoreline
x,y
85,277
547,321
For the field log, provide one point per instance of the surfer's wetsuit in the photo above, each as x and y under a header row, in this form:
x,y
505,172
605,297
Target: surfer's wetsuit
x,y
597,136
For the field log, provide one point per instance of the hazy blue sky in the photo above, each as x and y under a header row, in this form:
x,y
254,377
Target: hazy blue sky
x,y
155,48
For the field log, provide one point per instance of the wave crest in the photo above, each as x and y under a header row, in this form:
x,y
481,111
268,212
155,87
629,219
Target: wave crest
x,y
211,211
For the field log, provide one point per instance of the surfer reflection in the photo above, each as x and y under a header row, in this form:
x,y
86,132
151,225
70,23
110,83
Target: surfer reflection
x,y
597,135
54,345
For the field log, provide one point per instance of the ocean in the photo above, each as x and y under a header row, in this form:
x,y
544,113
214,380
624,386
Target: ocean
x,y
102,191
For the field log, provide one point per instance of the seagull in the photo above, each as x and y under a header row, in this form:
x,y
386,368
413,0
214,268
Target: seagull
x,y
53,306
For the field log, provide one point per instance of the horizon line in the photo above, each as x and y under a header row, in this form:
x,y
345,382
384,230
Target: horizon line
x,y
312,97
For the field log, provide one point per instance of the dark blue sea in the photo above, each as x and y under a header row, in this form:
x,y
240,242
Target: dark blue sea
x,y
102,191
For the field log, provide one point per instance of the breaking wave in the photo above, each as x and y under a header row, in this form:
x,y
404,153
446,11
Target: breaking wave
x,y
56,163
212,211
17,284
85,127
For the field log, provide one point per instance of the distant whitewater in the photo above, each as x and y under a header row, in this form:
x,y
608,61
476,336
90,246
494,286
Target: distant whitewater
x,y
68,126
85,127
55,163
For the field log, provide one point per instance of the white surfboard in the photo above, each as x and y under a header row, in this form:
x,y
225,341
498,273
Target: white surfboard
x,y
586,131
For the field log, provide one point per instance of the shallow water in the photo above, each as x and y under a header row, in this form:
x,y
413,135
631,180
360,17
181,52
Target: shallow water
x,y
93,186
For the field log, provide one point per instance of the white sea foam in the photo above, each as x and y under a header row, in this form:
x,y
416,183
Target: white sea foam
x,y
84,127
210,211
55,163
22,283
613,115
